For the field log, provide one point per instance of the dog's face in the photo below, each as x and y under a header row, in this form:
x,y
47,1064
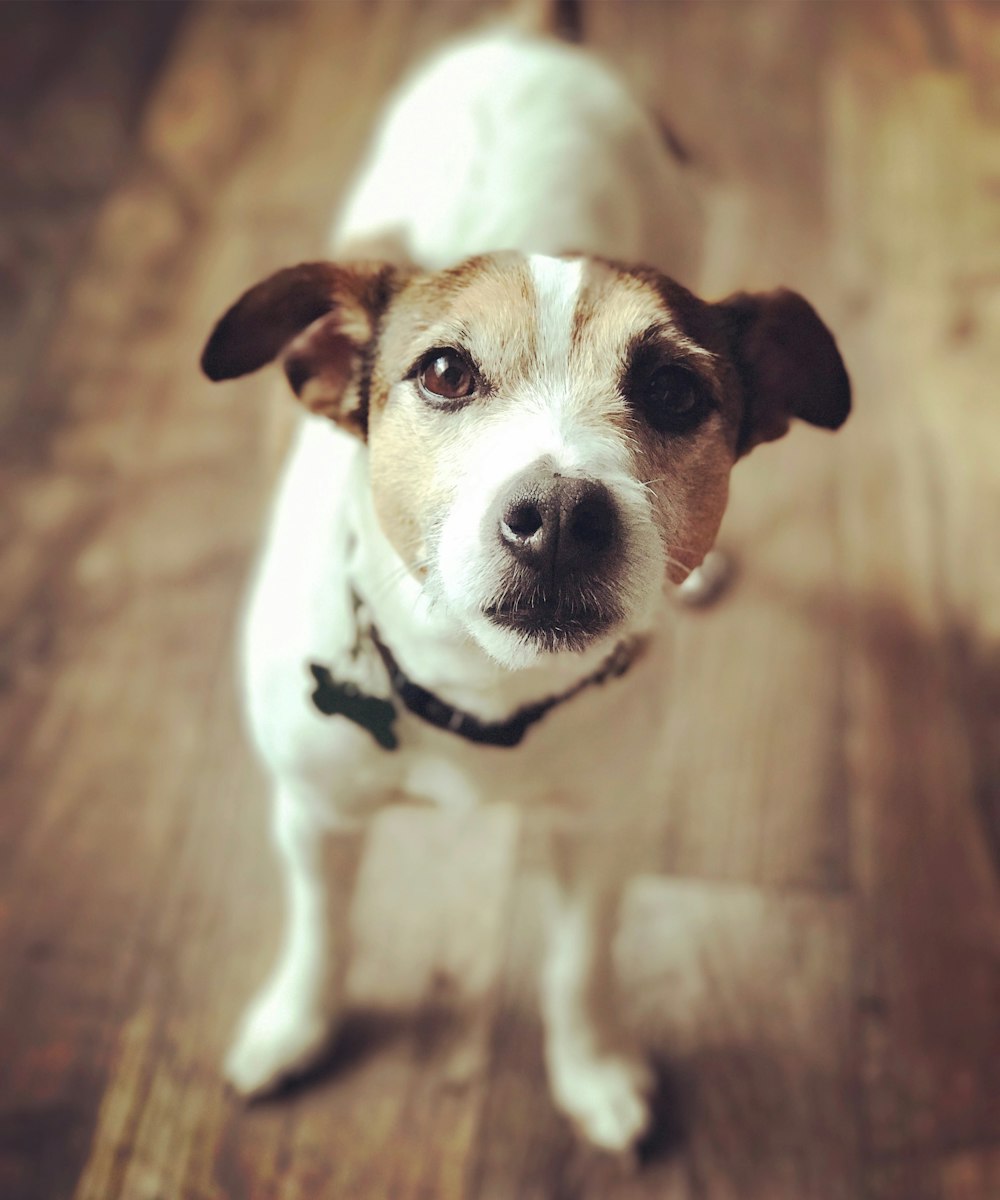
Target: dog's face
x,y
550,440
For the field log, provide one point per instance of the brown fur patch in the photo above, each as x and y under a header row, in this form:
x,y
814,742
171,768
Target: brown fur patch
x,y
687,473
265,318
323,318
329,365
484,307
788,364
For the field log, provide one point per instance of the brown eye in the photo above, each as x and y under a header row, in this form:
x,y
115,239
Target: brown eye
x,y
670,397
447,375
671,390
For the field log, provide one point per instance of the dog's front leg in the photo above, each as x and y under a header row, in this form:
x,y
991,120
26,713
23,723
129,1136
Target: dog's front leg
x,y
293,1018
597,1078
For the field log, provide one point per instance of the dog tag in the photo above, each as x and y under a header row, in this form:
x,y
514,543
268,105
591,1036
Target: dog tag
x,y
346,700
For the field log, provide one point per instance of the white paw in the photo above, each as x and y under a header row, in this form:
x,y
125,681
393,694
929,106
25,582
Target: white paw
x,y
278,1038
707,582
606,1097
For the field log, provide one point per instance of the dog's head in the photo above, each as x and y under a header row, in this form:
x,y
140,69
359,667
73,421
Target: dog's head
x,y
550,440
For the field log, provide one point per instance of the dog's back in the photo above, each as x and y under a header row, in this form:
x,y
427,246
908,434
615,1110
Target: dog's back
x,y
511,139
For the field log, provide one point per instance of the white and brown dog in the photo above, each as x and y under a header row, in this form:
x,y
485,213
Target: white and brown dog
x,y
517,441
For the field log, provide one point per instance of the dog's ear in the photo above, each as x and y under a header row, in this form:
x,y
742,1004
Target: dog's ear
x,y
322,319
788,364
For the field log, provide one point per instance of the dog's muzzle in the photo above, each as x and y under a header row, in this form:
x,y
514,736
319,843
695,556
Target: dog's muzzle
x,y
560,552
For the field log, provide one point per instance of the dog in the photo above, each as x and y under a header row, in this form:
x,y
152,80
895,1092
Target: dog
x,y
517,441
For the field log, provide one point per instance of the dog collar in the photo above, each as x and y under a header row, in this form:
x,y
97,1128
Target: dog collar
x,y
378,715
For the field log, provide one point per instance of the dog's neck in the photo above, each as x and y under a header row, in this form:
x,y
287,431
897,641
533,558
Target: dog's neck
x,y
427,641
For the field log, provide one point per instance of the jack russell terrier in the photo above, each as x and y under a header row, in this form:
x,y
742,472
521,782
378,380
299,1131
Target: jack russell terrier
x,y
517,442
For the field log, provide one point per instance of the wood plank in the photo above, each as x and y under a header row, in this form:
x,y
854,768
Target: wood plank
x,y
921,654
104,750
755,791
971,1175
73,80
406,1072
757,1094
756,144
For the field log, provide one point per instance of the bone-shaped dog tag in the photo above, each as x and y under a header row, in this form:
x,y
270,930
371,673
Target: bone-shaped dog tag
x,y
333,698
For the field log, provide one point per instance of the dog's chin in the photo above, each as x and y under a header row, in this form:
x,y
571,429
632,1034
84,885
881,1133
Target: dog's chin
x,y
525,636
552,630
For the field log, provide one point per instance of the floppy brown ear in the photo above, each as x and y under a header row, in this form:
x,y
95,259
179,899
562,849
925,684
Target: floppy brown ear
x,y
322,319
788,364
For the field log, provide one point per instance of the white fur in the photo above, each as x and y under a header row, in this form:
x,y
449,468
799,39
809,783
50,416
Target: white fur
x,y
508,142
557,290
501,142
548,418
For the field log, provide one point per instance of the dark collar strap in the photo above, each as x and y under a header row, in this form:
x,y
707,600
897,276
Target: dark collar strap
x,y
431,708
334,698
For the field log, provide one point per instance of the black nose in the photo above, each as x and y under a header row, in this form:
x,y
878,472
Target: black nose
x,y
557,525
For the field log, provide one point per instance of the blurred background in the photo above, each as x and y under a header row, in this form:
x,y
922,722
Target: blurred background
x,y
816,959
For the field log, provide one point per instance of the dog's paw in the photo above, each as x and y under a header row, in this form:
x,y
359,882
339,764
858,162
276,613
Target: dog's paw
x,y
606,1098
277,1039
706,583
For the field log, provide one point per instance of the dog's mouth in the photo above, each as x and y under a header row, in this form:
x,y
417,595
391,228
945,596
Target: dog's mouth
x,y
555,623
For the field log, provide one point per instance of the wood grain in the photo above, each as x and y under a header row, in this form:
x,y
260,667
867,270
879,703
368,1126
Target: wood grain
x,y
73,82
729,988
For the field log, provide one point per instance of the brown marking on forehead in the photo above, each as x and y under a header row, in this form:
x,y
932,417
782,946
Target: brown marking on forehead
x,y
613,309
618,303
484,306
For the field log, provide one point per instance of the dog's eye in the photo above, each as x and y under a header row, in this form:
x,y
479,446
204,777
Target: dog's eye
x,y
447,375
671,397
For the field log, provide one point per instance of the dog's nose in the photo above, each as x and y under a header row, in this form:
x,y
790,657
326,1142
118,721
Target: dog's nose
x,y
557,525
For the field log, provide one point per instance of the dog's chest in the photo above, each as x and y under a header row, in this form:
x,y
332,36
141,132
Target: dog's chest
x,y
597,745
304,613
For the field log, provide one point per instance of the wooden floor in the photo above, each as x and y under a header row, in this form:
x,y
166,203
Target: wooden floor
x,y
816,959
